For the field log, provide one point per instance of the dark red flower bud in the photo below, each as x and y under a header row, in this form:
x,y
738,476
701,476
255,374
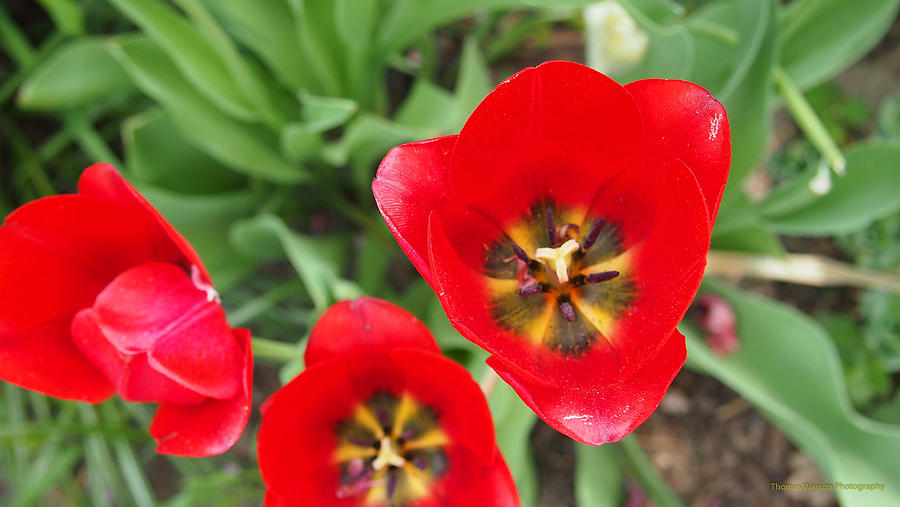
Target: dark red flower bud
x,y
100,295
717,318
379,417
565,230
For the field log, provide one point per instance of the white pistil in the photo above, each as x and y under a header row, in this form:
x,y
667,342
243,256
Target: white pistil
x,y
558,258
387,455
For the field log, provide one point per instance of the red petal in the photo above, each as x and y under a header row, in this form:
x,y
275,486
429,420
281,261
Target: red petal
x,y
558,130
103,181
604,413
132,375
211,427
411,181
449,388
296,436
682,120
365,326
155,308
662,218
44,359
59,252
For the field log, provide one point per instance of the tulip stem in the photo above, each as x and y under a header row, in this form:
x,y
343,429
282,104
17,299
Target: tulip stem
x,y
806,269
488,381
655,486
808,121
274,350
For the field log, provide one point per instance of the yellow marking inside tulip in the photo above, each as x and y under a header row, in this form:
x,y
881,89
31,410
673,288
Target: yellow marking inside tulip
x,y
558,259
432,438
405,409
364,416
601,319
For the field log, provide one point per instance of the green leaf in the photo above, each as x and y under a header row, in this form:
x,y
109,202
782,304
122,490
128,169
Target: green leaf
x,y
473,82
75,75
317,260
670,53
430,106
180,166
824,37
325,113
747,102
267,28
755,238
242,146
408,20
513,422
598,476
191,52
867,193
205,220
66,14
355,21
723,64
315,21
788,368
245,77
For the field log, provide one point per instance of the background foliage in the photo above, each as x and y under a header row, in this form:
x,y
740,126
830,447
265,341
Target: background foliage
x,y
255,127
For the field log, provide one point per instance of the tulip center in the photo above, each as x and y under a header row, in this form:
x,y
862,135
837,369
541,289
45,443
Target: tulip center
x,y
390,450
569,293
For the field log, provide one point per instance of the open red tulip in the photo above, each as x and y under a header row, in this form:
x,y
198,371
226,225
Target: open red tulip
x,y
565,231
379,418
100,295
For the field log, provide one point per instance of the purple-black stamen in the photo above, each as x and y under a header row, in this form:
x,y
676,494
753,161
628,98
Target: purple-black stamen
x,y
531,289
391,482
594,234
519,252
551,227
602,276
567,309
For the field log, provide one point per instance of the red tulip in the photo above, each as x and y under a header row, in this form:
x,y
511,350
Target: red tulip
x,y
379,418
565,231
100,295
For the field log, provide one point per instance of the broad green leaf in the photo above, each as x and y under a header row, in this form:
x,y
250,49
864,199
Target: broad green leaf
x,y
299,142
513,422
788,368
205,220
77,74
325,113
315,21
366,140
191,52
473,82
408,20
670,53
317,260
598,476
660,11
66,14
242,146
754,238
721,65
748,104
868,192
430,106
252,84
267,28
824,37
355,21
181,166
